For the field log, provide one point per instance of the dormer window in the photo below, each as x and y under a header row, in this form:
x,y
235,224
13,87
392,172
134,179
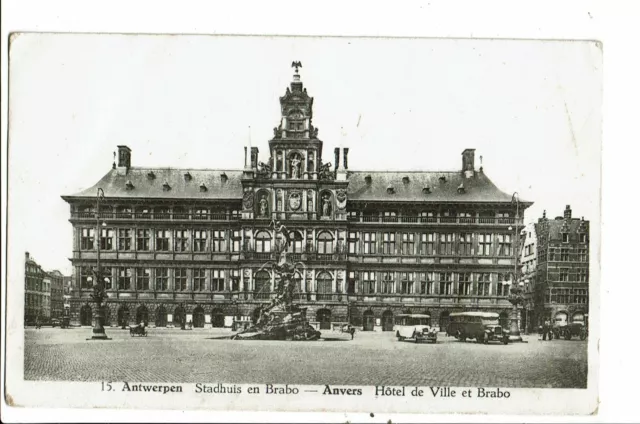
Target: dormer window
x,y
565,237
443,179
405,180
166,186
223,178
203,188
367,179
151,175
187,176
129,185
461,188
583,238
426,190
391,190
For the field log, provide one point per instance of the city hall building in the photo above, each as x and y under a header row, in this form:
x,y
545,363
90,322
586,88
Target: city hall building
x,y
198,244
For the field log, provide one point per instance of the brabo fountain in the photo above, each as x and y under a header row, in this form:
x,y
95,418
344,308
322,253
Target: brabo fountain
x,y
281,319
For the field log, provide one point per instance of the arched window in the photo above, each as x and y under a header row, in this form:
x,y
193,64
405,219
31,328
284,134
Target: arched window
x,y
161,317
142,315
444,320
295,242
324,282
263,242
263,285
325,243
297,281
198,317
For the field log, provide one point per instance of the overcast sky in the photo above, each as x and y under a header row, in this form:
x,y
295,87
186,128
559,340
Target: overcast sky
x,y
531,109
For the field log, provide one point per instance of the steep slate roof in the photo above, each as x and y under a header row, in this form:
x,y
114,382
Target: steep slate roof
x,y
114,184
478,188
556,226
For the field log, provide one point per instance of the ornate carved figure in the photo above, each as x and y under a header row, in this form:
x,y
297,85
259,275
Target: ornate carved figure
x,y
247,200
325,172
294,200
326,205
295,167
264,170
341,198
264,206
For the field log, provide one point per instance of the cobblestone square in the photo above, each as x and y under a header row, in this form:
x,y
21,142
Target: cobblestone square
x,y
206,356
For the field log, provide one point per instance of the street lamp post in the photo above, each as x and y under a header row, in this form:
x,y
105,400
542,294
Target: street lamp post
x,y
99,294
516,292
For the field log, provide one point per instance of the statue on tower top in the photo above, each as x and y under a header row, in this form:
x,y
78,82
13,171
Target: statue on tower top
x,y
296,64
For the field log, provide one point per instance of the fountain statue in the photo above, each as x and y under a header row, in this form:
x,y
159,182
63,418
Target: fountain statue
x,y
281,319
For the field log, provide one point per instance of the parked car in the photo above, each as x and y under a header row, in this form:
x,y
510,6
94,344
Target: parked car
x,y
567,331
137,330
55,322
65,322
484,327
415,327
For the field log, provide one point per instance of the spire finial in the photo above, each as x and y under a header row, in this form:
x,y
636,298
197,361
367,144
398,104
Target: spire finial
x,y
296,64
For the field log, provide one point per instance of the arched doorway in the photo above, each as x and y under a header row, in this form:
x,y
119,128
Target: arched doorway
x,y
179,316
217,318
123,316
368,320
198,317
142,315
578,317
561,319
86,315
444,320
324,317
504,320
387,321
161,317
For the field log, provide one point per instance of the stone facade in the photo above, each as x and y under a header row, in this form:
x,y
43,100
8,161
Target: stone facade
x,y
199,245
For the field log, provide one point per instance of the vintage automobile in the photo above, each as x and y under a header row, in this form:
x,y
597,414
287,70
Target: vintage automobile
x,y
55,322
65,323
415,327
137,330
567,331
484,327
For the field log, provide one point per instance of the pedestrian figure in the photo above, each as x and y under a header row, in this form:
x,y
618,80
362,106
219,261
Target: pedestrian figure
x,y
352,330
546,330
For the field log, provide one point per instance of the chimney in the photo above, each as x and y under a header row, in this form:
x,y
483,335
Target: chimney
x,y
254,158
346,152
336,151
468,166
124,159
567,212
26,256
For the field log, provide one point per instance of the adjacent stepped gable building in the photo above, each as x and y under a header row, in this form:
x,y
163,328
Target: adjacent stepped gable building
x,y
562,270
192,244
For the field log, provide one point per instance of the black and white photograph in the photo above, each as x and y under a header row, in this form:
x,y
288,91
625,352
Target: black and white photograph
x,y
305,223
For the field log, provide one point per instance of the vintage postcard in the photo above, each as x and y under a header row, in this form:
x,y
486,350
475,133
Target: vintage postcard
x,y
355,225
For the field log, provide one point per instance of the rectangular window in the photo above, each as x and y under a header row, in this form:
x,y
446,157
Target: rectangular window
x,y
162,279
351,283
464,283
484,283
564,274
217,280
446,244
201,213
583,238
162,240
143,275
142,239
564,255
86,239
124,278
582,255
200,240
464,244
388,280
406,283
504,244
427,244
389,243
181,240
180,279
484,244
446,283
235,241
85,273
199,279
502,289
408,243
368,282
219,243
582,276
124,239
106,239
426,282
565,237
369,243
235,279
